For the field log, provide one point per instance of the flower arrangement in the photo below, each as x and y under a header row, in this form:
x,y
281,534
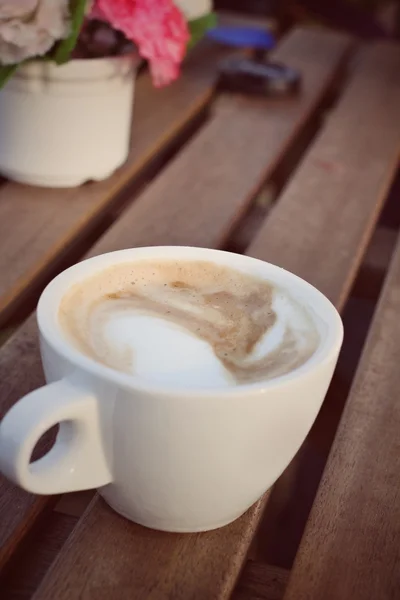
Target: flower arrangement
x,y
59,30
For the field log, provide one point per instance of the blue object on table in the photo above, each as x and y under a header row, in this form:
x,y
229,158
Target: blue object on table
x,y
243,37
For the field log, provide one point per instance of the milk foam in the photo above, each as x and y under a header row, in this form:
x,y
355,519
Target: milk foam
x,y
192,324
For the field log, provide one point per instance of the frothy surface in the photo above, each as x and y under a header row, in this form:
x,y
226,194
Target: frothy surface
x,y
188,323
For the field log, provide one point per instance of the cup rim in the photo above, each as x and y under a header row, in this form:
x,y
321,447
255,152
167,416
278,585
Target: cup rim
x,y
49,302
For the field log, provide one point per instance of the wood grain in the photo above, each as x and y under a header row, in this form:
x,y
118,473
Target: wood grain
x,y
36,557
261,582
37,225
321,225
20,373
351,548
106,552
207,188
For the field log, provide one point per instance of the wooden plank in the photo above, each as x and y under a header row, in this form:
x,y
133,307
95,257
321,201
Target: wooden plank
x,y
37,225
200,205
205,191
260,581
322,224
36,557
351,548
20,373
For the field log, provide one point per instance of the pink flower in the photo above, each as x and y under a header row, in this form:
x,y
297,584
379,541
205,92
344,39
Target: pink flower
x,y
157,27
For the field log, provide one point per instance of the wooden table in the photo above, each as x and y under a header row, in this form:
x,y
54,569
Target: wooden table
x,y
299,182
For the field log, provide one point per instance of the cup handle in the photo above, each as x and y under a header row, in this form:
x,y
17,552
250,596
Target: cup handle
x,y
77,459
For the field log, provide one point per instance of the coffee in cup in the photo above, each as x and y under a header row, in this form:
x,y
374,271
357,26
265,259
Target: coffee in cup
x,y
188,323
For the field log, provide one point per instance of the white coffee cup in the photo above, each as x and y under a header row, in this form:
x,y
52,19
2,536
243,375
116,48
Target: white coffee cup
x,y
170,459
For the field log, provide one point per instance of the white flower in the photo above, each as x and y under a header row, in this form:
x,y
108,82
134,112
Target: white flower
x,y
29,28
193,9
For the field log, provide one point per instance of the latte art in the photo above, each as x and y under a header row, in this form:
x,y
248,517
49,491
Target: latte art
x,y
188,323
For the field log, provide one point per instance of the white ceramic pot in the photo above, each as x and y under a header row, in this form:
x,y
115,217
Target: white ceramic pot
x,y
64,125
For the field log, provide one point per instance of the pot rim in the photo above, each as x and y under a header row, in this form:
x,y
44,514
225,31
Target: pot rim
x,y
79,68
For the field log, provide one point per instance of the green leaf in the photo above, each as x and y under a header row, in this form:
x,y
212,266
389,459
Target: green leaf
x,y
198,27
64,49
6,72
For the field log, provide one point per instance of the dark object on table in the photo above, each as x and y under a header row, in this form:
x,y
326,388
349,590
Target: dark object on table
x,y
257,76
